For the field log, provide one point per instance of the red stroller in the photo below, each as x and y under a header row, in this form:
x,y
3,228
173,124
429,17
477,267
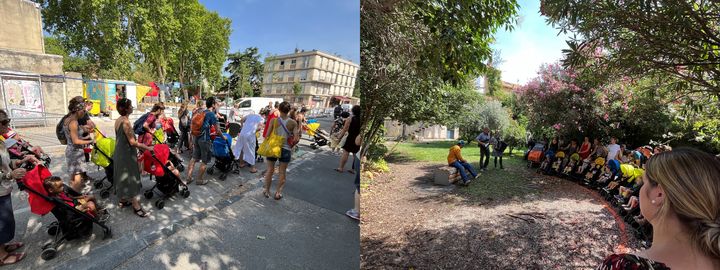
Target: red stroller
x,y
71,223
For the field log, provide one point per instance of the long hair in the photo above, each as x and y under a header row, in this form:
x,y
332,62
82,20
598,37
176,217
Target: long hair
x,y
691,181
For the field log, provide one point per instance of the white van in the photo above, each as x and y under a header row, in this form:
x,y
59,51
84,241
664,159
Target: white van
x,y
248,105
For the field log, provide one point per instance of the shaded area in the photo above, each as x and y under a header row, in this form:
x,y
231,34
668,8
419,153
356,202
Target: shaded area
x,y
511,219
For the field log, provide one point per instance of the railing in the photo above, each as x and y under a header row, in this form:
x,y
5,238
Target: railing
x,y
29,118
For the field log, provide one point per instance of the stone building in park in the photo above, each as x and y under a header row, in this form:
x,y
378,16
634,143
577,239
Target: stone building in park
x,y
33,88
323,79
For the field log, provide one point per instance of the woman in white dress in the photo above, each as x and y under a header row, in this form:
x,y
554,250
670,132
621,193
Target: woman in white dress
x,y
244,148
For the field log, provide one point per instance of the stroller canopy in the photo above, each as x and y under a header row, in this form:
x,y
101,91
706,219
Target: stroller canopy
x,y
103,151
33,181
151,165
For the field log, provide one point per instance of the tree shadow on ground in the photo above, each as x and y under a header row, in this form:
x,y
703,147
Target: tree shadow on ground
x,y
504,243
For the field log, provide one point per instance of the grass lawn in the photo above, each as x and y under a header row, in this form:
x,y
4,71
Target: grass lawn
x,y
494,184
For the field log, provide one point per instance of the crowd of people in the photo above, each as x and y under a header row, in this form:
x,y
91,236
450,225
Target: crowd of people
x,y
670,196
195,133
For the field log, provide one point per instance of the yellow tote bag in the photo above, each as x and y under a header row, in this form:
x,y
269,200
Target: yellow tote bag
x,y
272,145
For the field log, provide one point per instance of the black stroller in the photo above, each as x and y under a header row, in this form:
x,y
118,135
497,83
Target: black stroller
x,y
71,223
166,181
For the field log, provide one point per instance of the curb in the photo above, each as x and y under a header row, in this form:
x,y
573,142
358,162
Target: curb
x,y
113,254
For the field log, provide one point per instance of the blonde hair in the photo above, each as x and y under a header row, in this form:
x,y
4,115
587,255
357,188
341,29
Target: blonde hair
x,y
691,181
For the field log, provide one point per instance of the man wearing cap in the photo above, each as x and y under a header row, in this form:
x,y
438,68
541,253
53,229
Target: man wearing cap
x,y
456,160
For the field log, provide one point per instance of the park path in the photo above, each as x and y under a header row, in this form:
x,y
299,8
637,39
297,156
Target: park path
x,y
410,223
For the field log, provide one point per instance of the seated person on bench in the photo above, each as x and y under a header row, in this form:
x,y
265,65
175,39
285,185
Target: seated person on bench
x,y
455,160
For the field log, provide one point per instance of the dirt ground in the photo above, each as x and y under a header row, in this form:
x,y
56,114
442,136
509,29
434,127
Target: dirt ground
x,y
408,223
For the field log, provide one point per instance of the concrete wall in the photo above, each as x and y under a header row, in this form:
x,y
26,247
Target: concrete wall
x,y
434,132
20,26
53,95
46,64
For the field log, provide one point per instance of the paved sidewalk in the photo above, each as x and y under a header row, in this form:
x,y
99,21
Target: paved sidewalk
x,y
310,187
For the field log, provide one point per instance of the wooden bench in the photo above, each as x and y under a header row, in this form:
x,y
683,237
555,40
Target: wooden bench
x,y
446,175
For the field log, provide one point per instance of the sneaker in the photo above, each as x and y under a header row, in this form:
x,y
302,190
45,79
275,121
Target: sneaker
x,y
477,176
467,182
353,214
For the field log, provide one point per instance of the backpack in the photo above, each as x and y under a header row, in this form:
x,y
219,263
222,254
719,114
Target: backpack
x,y
138,124
59,130
196,124
185,120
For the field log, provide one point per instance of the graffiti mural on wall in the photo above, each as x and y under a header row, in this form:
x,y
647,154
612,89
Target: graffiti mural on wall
x,y
23,98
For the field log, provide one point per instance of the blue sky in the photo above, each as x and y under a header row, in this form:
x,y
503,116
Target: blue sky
x,y
531,44
278,26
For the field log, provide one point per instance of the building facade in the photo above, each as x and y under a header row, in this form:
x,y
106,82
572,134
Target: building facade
x,y
323,79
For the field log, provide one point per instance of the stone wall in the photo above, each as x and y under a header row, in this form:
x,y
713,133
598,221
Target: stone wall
x,y
45,64
21,26
420,131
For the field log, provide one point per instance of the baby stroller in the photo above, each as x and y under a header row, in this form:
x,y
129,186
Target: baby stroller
x,y
159,138
71,223
20,148
320,137
571,165
224,157
592,175
166,181
535,156
101,155
557,164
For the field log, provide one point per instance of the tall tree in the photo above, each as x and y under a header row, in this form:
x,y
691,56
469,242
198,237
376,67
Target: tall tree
x,y
409,49
246,71
672,38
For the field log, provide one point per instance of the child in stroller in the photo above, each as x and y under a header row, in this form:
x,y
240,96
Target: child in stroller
x,y
71,222
85,203
224,157
159,163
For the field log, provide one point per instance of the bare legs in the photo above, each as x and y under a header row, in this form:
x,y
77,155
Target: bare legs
x,y
281,179
343,160
76,183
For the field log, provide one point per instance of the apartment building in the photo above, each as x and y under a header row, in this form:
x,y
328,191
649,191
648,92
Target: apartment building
x,y
323,79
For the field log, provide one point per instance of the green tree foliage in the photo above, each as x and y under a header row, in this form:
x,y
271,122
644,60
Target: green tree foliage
x,y
174,39
297,89
410,49
246,72
70,63
679,39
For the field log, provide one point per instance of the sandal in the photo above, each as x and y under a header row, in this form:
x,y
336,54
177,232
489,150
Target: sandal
x,y
124,204
351,171
266,194
13,246
202,182
278,196
16,256
253,170
338,170
190,180
140,212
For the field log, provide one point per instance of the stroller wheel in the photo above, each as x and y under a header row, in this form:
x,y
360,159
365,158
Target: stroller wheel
x,y
180,167
105,194
211,170
53,229
98,184
48,254
148,194
160,204
185,193
223,177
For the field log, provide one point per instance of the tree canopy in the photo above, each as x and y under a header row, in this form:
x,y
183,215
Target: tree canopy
x,y
174,39
410,49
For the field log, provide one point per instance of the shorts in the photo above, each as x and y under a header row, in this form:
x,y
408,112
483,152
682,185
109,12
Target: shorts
x,y
202,150
285,156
